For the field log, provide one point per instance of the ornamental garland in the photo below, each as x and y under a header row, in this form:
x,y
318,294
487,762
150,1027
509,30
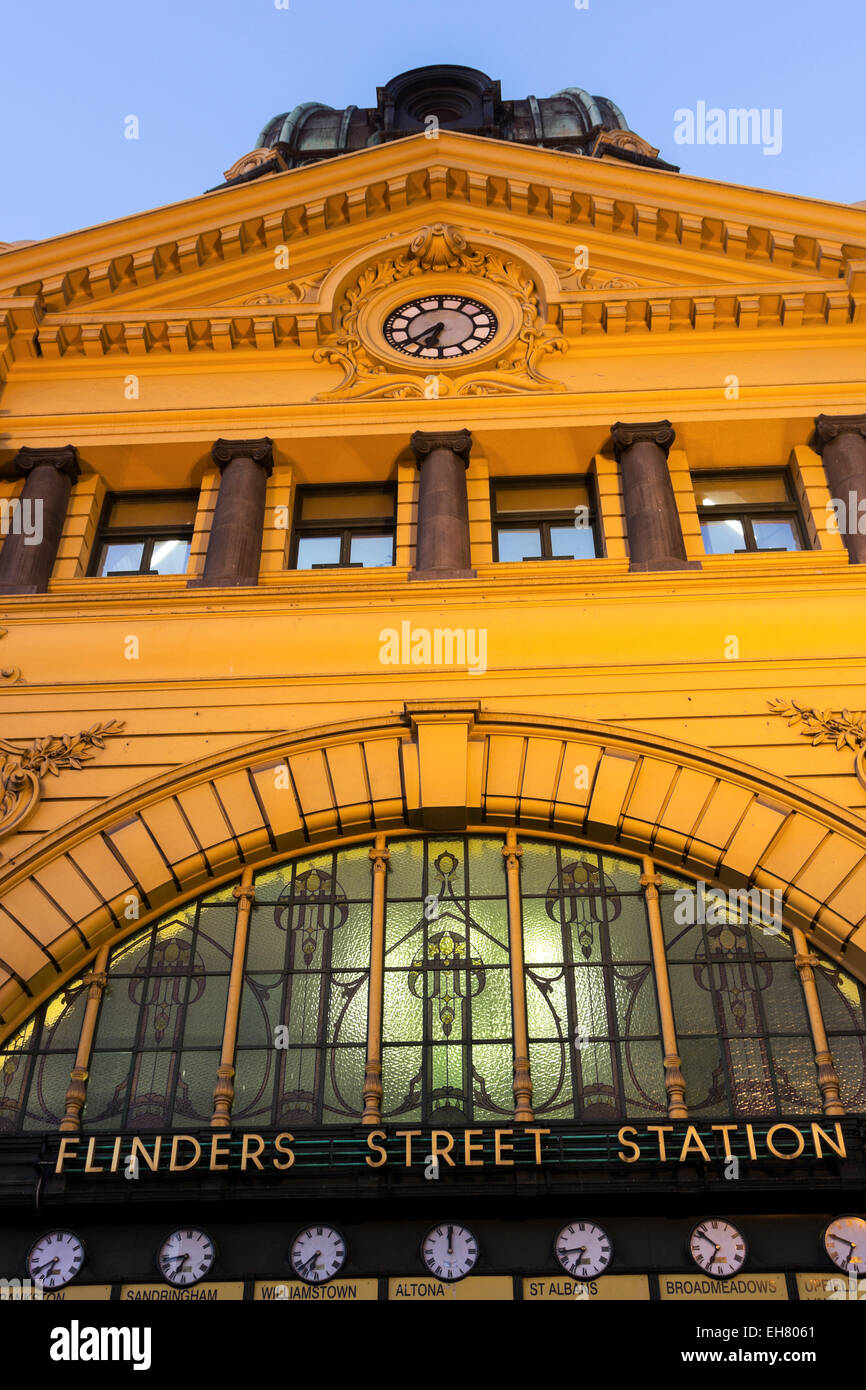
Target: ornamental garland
x,y
22,769
845,729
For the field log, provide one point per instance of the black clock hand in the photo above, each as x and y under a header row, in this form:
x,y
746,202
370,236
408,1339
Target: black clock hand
x,y
450,1240
430,336
43,1268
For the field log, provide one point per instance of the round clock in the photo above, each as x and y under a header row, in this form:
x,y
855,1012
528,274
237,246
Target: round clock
x,y
845,1243
186,1256
55,1259
450,1250
440,327
718,1248
583,1249
317,1254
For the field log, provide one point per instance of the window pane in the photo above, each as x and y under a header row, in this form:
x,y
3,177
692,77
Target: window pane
x,y
372,550
519,545
170,557
723,537
121,555
572,542
556,497
719,490
318,550
338,506
146,512
775,535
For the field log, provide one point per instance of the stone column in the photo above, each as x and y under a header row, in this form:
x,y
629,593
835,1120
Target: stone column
x,y
235,545
655,537
841,442
35,522
442,546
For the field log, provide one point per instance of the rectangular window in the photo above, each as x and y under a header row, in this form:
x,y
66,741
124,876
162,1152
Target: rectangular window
x,y
543,519
747,511
145,533
344,528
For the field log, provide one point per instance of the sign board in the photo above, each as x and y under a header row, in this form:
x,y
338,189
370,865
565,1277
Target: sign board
x,y
613,1288
700,1288
334,1291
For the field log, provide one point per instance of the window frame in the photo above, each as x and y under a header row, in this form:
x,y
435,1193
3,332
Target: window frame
x,y
346,527
543,521
107,534
746,512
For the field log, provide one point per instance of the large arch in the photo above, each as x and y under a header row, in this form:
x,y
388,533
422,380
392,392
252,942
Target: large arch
x,y
434,765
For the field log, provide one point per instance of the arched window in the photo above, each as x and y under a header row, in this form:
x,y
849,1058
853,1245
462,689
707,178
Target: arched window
x,y
597,957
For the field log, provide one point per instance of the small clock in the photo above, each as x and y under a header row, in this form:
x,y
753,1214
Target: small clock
x,y
450,1251
718,1248
440,327
55,1259
186,1256
845,1243
317,1254
583,1249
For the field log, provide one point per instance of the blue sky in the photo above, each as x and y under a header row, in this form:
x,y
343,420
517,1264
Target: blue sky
x,y
203,78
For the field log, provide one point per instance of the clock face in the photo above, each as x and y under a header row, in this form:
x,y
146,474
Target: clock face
x,y
718,1248
317,1254
583,1249
450,1251
186,1256
440,327
845,1243
55,1259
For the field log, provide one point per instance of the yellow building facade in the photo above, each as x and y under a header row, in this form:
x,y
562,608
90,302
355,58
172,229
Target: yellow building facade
x,y
587,436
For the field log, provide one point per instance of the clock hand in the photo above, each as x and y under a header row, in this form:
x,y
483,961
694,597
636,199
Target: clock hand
x,y
430,336
576,1250
450,1240
43,1268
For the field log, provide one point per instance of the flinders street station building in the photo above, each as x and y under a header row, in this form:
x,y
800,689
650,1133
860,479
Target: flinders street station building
x,y
433,724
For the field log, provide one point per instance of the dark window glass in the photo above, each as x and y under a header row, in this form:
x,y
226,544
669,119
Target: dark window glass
x,y
145,533
747,511
342,527
543,519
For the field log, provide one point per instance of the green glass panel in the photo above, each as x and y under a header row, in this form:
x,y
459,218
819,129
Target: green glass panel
x,y
692,999
46,1099
448,1078
355,873
254,1083
455,877
62,1018
351,942
405,868
784,1004
594,1069
206,1011
162,1006
849,1056
403,1010
486,867
546,1005
736,994
704,1071
221,895
306,999
628,932
537,867
796,1076
152,1084
404,932
215,937
15,1070
750,1077
551,1079
643,1079
344,1086
491,1008
591,1019
271,883
106,1090
636,1011
266,945
767,941
683,939
542,938
401,1083
195,1087
132,954
624,874
840,999
488,936
493,1077
347,1015
296,1103
117,1025
261,1003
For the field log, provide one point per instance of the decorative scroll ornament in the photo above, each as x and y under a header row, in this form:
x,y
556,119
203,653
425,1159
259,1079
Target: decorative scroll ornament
x,y
573,278
845,729
434,249
302,291
22,769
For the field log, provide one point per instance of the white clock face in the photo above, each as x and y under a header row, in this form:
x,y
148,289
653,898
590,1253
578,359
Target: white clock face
x,y
317,1254
583,1249
845,1243
450,1251
440,327
718,1248
55,1259
186,1256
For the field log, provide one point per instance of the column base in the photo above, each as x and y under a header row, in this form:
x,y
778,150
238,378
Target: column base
x,y
217,581
668,563
427,575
